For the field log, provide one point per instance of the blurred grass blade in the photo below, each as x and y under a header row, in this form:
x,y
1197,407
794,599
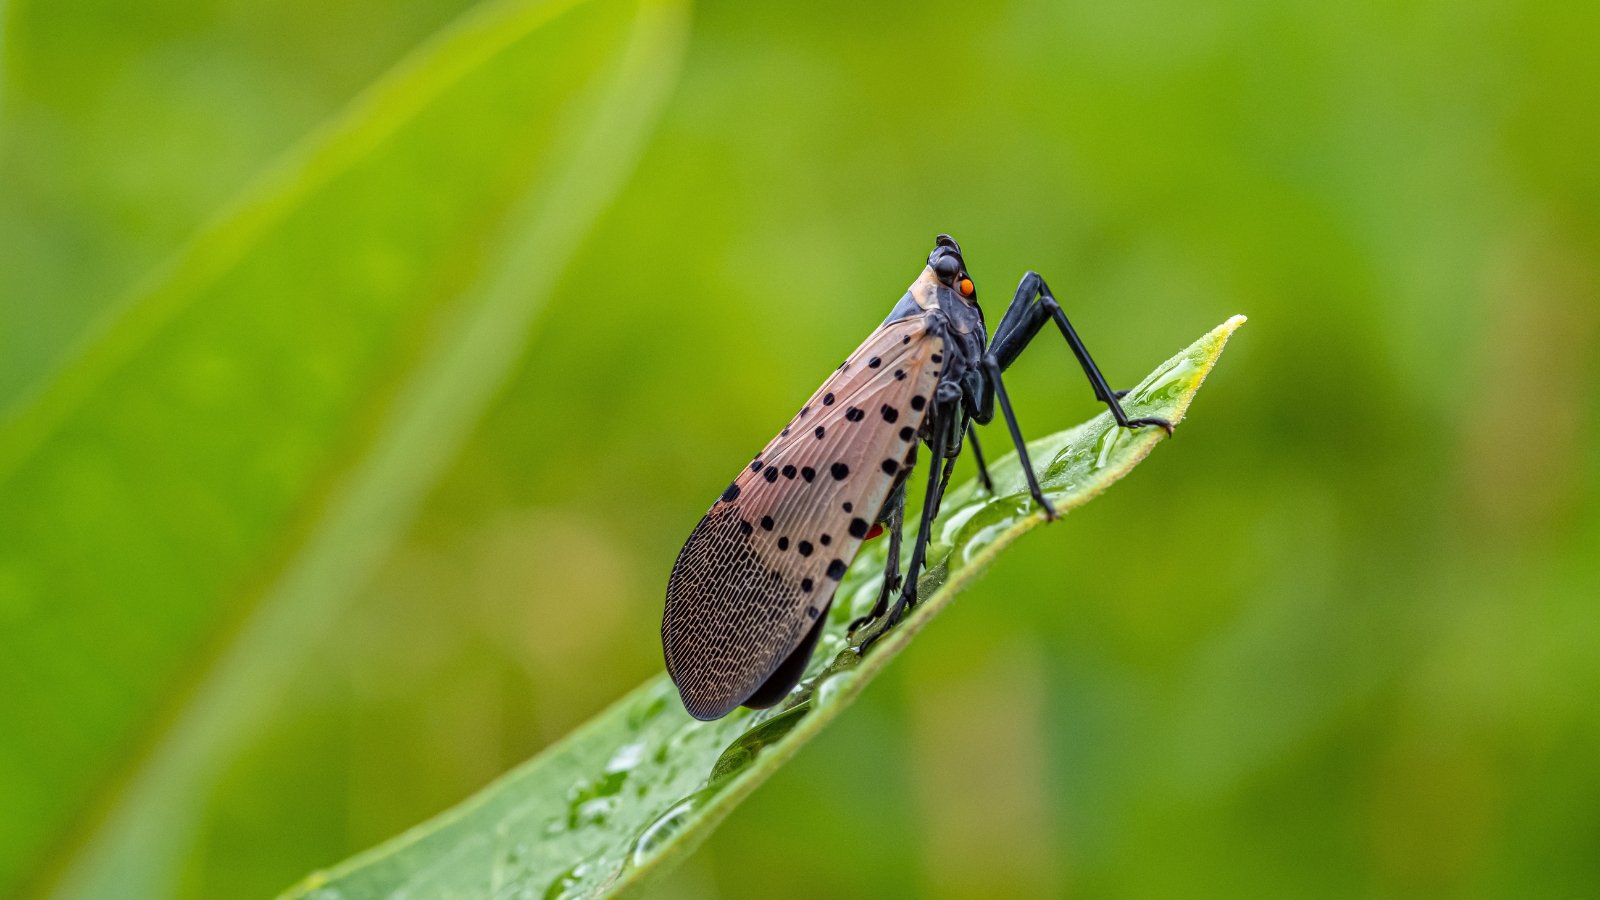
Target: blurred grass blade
x,y
642,784
346,142
432,414
231,470
5,71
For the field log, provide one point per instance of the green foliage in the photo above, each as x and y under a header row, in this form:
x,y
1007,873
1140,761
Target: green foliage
x,y
643,783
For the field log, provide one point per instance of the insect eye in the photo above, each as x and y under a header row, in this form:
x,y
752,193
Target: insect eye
x,y
966,287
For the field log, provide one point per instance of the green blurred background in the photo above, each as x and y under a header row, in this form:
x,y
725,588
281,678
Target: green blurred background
x,y
280,577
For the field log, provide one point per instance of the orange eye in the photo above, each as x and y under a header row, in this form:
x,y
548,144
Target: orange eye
x,y
966,287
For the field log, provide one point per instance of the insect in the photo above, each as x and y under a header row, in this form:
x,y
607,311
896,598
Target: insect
x,y
752,586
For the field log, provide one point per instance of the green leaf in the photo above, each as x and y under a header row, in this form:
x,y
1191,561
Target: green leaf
x,y
641,784
190,502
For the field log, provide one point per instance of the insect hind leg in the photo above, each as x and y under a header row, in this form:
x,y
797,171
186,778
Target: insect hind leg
x,y
893,518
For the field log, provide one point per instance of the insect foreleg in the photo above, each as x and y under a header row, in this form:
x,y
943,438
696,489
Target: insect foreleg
x,y
1030,308
996,391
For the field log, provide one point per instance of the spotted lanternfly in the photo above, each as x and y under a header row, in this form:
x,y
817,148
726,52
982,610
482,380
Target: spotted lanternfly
x,y
753,584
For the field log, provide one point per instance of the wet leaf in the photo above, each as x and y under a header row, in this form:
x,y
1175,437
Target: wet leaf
x,y
642,783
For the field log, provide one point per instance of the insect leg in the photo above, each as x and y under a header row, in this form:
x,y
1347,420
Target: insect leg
x,y
961,428
997,391
894,521
946,406
1023,319
977,456
944,480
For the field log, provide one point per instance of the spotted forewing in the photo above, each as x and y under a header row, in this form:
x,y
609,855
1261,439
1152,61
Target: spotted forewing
x,y
755,580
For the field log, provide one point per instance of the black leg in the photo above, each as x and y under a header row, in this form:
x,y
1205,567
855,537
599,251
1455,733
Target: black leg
x,y
944,481
952,451
1023,319
977,456
992,371
919,551
893,520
